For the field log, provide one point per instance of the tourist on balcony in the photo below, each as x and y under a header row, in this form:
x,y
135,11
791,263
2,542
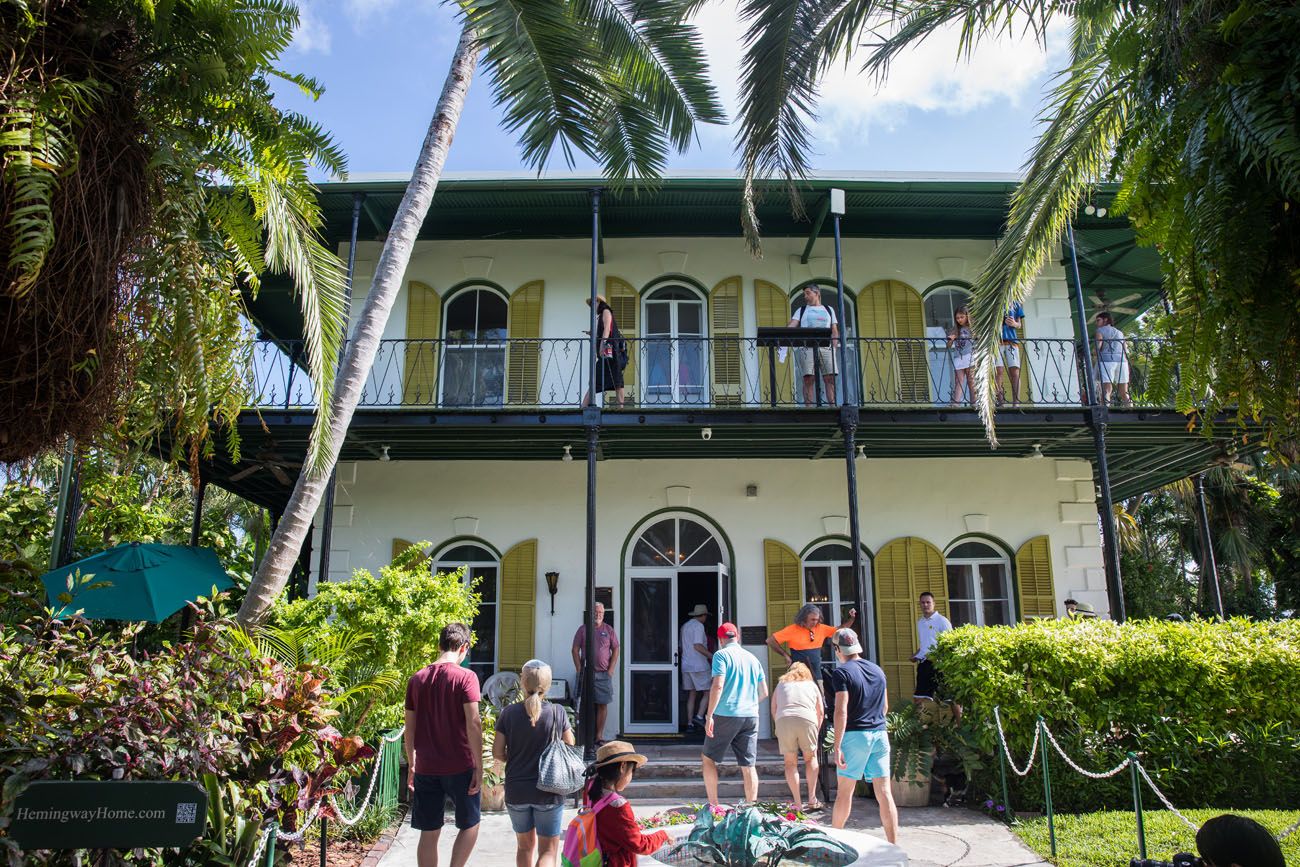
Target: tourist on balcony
x,y
612,353
813,314
1112,359
696,662
802,640
1008,357
524,731
732,719
962,344
798,711
605,661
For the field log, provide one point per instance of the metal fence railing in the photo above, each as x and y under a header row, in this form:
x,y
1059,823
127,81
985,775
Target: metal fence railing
x,y
710,372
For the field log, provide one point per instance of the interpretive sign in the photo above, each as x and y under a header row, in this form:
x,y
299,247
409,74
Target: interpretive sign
x,y
124,814
753,634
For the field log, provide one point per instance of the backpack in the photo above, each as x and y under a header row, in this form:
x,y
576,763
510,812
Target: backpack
x,y
581,845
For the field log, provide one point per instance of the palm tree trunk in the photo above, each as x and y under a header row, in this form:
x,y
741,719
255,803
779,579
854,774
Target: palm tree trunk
x,y
308,491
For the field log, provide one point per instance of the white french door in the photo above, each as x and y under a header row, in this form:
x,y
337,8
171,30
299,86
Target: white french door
x,y
651,686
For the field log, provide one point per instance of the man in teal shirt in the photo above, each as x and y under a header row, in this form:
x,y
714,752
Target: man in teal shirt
x,y
732,721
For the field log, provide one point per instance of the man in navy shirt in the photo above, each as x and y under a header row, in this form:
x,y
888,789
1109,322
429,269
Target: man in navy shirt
x,y
1008,356
861,742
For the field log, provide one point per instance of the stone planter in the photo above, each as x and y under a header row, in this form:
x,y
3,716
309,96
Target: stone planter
x,y
872,851
911,792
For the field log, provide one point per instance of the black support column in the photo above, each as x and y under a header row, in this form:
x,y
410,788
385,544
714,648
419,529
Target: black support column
x,y
327,520
848,426
1097,417
591,423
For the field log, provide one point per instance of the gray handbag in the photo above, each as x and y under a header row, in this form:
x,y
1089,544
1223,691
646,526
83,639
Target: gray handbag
x,y
560,769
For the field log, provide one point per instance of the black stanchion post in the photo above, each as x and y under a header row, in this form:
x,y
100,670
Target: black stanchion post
x,y
1047,787
1137,806
325,840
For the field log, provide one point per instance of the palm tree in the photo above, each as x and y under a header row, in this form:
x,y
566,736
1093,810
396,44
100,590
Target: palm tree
x,y
621,82
1190,106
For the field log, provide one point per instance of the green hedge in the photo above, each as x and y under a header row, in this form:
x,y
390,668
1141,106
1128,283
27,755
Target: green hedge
x,y
1210,708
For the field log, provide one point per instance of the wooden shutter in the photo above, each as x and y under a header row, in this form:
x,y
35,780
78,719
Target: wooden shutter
x,y
424,324
909,323
726,367
524,351
624,302
875,322
902,571
784,592
773,311
517,607
400,546
1037,590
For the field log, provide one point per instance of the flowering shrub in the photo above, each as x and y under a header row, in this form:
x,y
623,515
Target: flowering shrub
x,y
75,704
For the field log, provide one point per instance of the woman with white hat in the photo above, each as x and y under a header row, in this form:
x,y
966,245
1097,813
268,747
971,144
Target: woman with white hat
x,y
621,838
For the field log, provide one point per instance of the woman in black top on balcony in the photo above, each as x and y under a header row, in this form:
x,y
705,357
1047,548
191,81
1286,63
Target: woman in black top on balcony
x,y
613,353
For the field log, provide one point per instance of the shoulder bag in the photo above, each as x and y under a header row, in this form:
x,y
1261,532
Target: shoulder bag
x,y
560,769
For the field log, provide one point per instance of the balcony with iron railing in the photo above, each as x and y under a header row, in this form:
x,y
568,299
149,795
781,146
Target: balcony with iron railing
x,y
686,372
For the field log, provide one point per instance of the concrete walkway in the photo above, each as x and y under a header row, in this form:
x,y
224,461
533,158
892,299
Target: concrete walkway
x,y
931,836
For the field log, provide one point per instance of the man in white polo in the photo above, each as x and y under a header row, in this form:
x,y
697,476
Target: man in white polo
x,y
929,626
697,660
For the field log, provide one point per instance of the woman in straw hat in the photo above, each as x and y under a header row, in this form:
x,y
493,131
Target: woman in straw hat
x,y
621,839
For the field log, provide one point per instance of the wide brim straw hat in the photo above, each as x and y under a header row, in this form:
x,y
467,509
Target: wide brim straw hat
x,y
617,751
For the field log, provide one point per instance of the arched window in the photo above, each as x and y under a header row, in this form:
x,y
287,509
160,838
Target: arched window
x,y
828,584
479,562
674,345
979,584
940,303
677,542
474,327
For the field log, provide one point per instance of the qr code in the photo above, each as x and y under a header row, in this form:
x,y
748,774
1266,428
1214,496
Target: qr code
x,y
187,814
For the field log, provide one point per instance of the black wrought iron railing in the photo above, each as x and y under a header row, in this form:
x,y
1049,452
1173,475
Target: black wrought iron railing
x,y
671,372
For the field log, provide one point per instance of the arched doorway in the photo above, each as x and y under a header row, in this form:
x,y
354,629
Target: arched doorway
x,y
474,356
675,561
673,338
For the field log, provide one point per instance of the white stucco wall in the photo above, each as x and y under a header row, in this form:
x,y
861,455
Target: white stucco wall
x,y
798,501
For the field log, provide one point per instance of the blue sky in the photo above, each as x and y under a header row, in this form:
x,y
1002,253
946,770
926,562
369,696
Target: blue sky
x,y
383,63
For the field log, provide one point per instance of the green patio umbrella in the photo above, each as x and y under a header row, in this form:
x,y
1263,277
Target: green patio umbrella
x,y
146,581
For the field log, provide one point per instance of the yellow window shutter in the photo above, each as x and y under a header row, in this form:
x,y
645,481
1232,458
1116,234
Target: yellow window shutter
x,y
424,324
909,324
525,349
624,301
400,546
772,306
895,619
876,324
726,302
784,592
518,606
1034,581
929,573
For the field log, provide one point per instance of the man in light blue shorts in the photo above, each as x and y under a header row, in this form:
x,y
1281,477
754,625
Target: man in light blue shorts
x,y
861,742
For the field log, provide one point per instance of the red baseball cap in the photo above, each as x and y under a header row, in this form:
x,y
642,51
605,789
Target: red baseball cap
x,y
728,630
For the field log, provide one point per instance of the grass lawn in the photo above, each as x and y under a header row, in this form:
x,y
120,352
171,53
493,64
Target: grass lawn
x,y
1108,839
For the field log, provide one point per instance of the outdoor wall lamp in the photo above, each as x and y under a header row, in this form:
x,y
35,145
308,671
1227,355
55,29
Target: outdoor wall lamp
x,y
553,585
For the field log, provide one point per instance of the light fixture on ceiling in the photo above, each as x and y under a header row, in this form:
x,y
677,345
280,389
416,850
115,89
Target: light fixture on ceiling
x,y
1036,452
1090,210
706,433
568,454
383,456
862,452
1101,212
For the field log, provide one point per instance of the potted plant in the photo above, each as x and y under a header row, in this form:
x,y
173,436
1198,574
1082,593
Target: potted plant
x,y
493,798
912,747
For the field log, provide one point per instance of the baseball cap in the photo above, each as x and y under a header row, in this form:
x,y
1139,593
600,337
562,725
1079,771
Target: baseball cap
x,y
847,641
728,630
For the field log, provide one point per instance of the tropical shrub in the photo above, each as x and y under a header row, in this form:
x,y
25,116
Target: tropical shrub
x,y
75,703
402,610
1208,707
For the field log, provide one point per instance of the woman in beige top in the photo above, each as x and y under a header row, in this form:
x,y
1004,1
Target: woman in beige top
x,y
797,714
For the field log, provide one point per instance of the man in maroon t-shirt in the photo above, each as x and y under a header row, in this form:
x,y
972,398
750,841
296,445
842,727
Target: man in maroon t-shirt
x,y
444,748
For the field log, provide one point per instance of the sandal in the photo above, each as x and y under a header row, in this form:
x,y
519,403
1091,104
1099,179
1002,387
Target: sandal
x,y
814,807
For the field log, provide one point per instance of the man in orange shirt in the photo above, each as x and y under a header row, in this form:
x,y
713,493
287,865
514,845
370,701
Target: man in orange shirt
x,y
802,640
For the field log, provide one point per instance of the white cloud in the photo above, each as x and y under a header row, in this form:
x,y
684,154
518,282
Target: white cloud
x,y
313,34
927,77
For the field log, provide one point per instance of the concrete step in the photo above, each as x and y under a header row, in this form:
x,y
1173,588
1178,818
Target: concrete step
x,y
690,789
655,770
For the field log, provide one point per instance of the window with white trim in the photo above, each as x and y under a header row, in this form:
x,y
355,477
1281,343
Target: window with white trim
x,y
979,585
479,562
828,584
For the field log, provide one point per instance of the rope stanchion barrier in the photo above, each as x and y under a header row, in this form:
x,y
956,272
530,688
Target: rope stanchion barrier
x,y
1090,774
1137,806
261,847
1288,832
1161,795
1033,751
1047,788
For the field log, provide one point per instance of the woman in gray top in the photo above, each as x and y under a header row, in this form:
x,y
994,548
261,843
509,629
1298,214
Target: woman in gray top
x,y
524,731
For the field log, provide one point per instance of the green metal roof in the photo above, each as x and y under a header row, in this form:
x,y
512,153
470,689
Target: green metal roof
x,y
877,206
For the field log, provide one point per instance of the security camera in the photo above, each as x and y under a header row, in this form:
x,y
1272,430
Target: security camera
x,y
706,433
